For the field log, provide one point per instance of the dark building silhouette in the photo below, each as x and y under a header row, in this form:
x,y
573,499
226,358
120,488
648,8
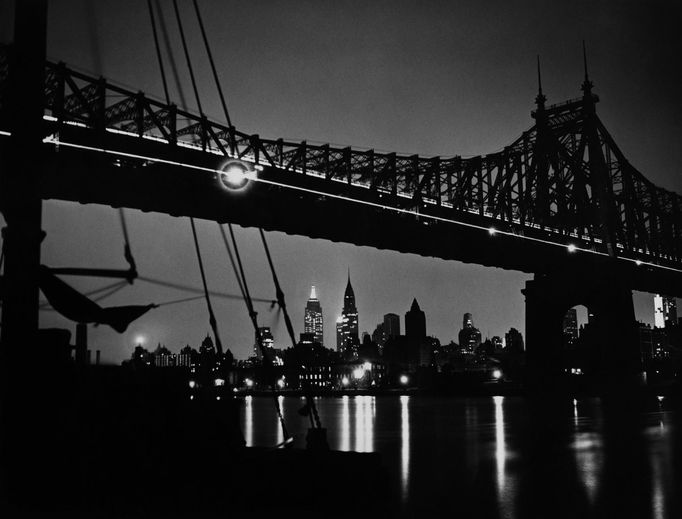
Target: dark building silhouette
x,y
469,336
415,322
391,325
514,341
349,324
379,335
313,321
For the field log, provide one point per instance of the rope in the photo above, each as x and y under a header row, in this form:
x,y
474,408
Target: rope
x,y
158,50
210,59
254,320
127,251
186,288
187,58
234,266
93,292
287,320
211,315
176,301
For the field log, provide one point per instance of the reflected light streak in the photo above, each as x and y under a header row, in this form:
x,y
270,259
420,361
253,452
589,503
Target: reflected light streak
x,y
344,428
248,419
588,463
500,446
278,425
405,445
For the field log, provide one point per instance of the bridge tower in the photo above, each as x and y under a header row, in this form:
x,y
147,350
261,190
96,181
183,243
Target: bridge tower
x,y
605,292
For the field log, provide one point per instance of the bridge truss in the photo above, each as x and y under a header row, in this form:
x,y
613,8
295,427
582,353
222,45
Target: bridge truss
x,y
563,181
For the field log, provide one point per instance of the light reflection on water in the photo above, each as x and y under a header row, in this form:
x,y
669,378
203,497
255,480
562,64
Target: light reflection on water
x,y
450,449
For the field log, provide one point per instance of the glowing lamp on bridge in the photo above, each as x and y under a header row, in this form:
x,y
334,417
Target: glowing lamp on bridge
x,y
404,380
234,175
571,248
492,231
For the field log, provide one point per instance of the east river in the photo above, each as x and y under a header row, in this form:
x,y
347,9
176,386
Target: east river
x,y
505,457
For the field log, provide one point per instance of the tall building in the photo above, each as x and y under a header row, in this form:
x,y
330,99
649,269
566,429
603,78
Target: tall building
x,y
514,341
267,339
339,334
469,336
570,328
349,323
665,310
415,322
313,322
391,325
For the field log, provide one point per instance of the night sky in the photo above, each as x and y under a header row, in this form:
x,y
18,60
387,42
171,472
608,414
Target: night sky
x,y
434,78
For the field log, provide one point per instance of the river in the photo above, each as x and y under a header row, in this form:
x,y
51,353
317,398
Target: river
x,y
504,457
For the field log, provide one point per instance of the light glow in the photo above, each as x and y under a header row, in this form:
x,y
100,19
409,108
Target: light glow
x,y
404,380
248,382
192,384
497,374
358,373
219,382
571,248
492,231
345,381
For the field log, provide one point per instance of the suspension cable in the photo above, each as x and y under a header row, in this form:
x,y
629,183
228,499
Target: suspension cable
x,y
267,361
210,59
211,315
287,320
127,251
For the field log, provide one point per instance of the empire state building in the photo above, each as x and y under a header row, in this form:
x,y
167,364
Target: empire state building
x,y
348,339
313,322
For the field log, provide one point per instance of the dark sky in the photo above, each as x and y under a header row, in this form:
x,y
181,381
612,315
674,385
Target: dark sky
x,y
434,78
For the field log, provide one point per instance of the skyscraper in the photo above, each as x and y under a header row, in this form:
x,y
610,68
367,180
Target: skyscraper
x,y
267,340
570,327
391,325
349,323
415,322
665,310
469,337
313,321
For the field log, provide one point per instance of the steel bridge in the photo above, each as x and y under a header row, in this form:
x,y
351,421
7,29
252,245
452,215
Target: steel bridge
x,y
562,190
561,201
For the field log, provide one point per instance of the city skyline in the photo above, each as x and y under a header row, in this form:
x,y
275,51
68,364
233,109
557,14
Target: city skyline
x,y
454,96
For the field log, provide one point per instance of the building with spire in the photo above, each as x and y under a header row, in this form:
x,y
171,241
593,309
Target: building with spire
x,y
349,324
313,321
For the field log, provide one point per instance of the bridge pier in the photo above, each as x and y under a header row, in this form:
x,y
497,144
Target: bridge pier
x,y
615,347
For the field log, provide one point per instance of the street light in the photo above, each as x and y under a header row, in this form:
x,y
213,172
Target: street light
x,y
404,380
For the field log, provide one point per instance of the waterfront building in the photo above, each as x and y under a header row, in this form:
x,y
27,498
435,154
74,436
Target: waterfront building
x,y
339,334
313,321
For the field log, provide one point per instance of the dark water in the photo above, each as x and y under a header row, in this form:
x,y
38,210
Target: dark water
x,y
504,457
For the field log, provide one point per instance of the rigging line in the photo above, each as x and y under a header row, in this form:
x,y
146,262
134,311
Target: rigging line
x,y
111,286
259,339
187,57
186,288
127,251
158,50
234,266
211,315
210,59
176,301
169,52
110,292
287,321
